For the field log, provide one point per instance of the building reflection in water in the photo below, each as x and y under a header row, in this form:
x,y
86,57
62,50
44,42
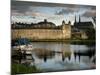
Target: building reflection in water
x,y
43,53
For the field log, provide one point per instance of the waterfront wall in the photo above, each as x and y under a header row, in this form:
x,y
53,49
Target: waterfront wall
x,y
36,34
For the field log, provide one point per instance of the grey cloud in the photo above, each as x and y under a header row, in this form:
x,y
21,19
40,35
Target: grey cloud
x,y
89,14
19,8
26,3
23,8
66,11
47,4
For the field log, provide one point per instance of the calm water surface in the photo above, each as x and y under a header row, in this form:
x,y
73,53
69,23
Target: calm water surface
x,y
53,56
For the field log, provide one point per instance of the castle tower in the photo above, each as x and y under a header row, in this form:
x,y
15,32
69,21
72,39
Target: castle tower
x,y
69,23
63,25
63,22
66,30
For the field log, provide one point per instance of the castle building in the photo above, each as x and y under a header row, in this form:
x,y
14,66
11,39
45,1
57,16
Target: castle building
x,y
41,31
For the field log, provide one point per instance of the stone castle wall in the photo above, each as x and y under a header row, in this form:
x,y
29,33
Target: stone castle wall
x,y
36,34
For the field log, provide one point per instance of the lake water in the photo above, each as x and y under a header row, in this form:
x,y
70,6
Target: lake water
x,y
58,56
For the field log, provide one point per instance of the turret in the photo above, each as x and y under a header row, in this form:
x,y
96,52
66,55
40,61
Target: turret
x,y
63,22
69,23
45,20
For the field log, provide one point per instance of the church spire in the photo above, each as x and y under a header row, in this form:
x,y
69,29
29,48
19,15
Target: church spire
x,y
79,18
75,18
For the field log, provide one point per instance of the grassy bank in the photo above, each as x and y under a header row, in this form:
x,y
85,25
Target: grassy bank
x,y
87,42
72,41
22,69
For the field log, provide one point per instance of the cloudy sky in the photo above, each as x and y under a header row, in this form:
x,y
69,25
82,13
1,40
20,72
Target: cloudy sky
x,y
32,12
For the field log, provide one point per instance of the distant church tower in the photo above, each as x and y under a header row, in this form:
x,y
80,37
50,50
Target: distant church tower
x,y
75,18
75,22
79,18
